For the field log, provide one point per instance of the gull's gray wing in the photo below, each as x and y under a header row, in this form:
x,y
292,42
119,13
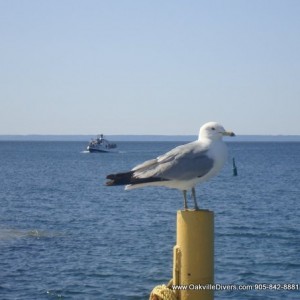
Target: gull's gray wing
x,y
181,163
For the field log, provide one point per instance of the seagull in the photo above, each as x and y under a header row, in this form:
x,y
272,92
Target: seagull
x,y
183,167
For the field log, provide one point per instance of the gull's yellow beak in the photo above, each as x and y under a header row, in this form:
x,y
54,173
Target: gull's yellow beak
x,y
228,133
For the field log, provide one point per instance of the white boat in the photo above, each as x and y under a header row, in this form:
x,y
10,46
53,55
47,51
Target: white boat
x,y
100,144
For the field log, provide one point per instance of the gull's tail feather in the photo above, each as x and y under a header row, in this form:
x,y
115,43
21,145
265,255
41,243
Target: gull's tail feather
x,y
129,179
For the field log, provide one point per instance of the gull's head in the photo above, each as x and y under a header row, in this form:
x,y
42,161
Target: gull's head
x,y
213,131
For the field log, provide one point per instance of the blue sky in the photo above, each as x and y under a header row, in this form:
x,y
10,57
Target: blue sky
x,y
149,67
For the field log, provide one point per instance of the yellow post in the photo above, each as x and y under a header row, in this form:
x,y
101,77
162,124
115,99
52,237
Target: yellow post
x,y
193,265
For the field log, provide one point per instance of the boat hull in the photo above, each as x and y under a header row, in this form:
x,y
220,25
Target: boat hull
x,y
93,150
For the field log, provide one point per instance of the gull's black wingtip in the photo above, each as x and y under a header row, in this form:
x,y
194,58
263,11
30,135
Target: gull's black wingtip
x,y
119,179
110,183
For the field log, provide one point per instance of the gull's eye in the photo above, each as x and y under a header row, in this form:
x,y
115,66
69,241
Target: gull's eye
x,y
213,128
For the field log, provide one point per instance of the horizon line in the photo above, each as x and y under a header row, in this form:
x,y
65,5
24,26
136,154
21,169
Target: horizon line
x,y
136,134
143,138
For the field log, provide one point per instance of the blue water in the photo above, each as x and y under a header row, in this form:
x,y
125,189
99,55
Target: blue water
x,y
64,235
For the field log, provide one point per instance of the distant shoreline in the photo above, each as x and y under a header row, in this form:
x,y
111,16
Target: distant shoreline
x,y
148,138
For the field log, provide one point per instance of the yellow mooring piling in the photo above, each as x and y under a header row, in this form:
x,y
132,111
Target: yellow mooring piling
x,y
193,259
193,264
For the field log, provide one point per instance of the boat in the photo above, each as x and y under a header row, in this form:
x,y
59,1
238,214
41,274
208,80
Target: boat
x,y
100,144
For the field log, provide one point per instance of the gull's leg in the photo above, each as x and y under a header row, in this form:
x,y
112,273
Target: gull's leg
x,y
184,198
194,197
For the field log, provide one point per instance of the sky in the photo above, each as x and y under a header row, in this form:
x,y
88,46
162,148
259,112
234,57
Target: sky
x,y
149,67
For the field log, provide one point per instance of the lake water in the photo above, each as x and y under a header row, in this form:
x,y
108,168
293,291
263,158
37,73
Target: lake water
x,y
64,235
